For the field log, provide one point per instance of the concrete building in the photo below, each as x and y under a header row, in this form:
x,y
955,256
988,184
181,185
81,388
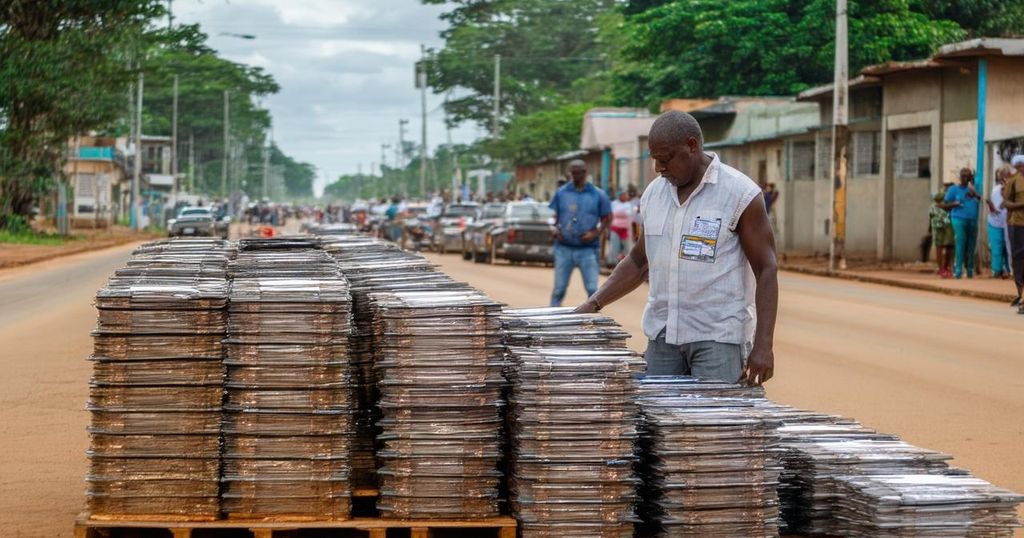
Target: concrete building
x,y
808,196
97,172
920,121
619,136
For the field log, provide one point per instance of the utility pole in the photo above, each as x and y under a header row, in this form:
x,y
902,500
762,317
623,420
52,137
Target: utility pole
x,y
496,125
266,170
174,138
191,162
400,150
137,170
227,148
454,195
421,83
840,141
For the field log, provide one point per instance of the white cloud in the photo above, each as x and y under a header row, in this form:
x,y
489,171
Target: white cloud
x,y
345,68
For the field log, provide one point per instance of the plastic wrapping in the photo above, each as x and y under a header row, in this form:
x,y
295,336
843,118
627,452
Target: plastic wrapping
x,y
289,403
157,387
924,505
441,422
573,427
709,466
166,373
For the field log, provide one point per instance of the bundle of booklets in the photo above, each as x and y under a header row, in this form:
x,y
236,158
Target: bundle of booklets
x,y
157,386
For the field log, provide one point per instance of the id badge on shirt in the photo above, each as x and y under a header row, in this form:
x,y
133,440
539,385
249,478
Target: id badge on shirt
x,y
701,243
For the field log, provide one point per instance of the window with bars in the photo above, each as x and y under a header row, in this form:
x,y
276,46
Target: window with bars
x,y
803,160
85,185
912,149
825,157
867,149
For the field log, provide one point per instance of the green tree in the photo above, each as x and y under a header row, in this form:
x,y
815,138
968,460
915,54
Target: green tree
x,y
552,54
298,176
532,137
203,77
981,18
64,69
707,48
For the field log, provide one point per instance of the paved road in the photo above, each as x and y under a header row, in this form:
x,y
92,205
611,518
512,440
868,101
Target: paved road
x,y
943,372
45,319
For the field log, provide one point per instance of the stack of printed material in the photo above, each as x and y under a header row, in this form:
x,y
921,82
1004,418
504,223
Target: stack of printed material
x,y
924,505
812,467
372,265
439,360
709,468
560,327
574,423
288,422
798,427
157,386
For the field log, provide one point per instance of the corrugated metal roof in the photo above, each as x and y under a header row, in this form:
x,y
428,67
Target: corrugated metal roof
x,y
816,93
983,46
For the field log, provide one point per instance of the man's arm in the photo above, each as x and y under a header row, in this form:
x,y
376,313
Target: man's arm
x,y
1010,193
758,243
627,276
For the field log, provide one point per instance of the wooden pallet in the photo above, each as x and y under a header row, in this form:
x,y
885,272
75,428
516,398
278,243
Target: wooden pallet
x,y
87,527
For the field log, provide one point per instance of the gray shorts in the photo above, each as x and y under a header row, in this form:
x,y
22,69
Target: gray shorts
x,y
706,360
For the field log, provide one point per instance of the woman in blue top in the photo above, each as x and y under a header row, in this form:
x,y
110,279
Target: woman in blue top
x,y
962,201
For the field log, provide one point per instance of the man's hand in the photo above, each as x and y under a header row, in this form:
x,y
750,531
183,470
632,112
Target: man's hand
x,y
556,234
590,236
759,368
586,308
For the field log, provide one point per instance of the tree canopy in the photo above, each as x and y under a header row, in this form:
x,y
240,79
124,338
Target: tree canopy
x,y
707,48
64,69
533,137
551,55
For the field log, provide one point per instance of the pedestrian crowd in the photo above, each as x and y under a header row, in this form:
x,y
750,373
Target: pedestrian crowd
x,y
954,220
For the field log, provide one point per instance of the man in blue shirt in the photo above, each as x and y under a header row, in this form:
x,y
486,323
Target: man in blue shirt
x,y
962,202
582,211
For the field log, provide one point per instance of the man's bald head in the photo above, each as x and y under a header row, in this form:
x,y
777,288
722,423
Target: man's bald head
x,y
675,128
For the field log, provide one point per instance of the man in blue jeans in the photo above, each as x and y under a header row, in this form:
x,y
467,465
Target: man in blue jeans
x,y
581,212
963,202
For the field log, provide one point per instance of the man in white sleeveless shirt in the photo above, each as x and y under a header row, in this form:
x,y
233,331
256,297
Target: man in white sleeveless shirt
x,y
709,253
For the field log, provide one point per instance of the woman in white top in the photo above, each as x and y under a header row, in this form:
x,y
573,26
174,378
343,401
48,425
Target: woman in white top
x,y
997,234
620,232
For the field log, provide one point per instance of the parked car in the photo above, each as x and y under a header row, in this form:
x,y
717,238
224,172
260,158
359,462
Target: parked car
x,y
451,224
474,236
222,220
199,221
521,234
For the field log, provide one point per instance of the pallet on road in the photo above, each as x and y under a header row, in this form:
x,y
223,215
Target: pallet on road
x,y
87,527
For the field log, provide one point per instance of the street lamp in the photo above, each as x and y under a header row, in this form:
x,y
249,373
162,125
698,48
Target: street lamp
x,y
239,36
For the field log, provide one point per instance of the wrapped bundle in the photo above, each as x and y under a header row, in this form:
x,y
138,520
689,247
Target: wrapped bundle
x,y
899,505
157,387
709,468
438,360
573,428
288,406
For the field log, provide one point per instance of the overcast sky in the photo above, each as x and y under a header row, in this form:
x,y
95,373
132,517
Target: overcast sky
x,y
346,70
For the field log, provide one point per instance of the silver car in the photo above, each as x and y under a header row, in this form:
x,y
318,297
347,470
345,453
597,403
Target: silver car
x,y
451,224
197,221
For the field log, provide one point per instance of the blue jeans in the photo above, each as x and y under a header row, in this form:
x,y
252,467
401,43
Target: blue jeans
x,y
997,244
705,360
568,258
966,233
616,246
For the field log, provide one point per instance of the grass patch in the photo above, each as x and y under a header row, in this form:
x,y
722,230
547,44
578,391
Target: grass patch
x,y
29,237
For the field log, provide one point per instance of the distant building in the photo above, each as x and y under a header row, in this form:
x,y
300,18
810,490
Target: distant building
x,y
96,170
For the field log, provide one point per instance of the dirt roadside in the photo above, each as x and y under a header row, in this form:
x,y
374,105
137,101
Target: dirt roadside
x,y
17,255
